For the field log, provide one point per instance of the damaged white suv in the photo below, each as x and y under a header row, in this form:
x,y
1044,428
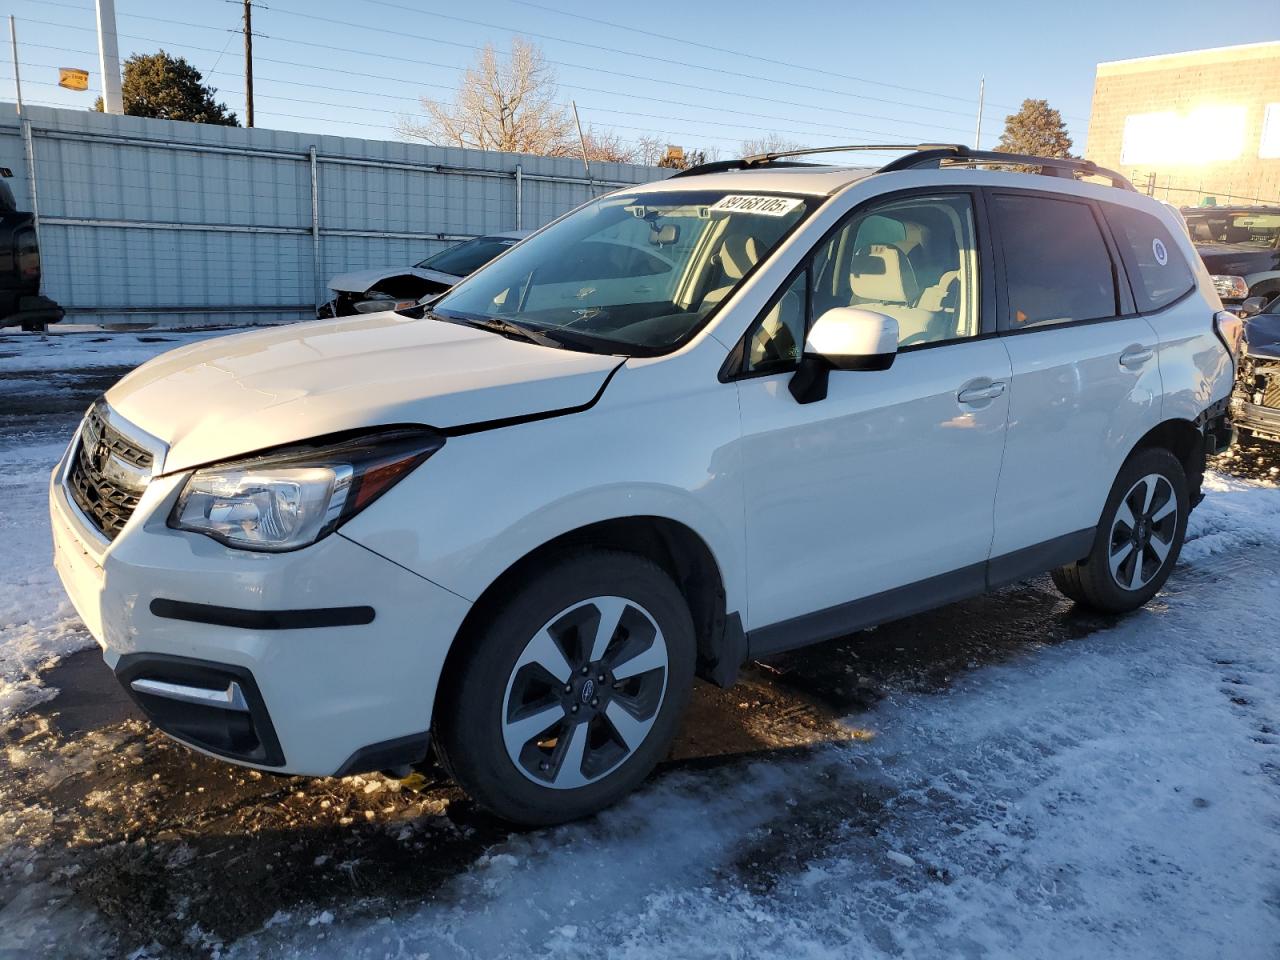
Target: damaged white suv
x,y
755,406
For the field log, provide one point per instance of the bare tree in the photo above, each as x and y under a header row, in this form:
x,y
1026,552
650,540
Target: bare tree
x,y
608,147
509,104
650,150
767,143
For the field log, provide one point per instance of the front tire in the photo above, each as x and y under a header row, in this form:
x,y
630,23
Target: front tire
x,y
1139,536
573,690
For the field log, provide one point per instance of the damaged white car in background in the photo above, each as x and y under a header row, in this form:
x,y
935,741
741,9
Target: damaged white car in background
x,y
397,288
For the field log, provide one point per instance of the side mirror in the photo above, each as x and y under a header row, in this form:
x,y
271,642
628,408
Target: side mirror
x,y
1253,306
843,338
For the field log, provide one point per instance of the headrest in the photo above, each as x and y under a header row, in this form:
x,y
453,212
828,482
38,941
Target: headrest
x,y
880,229
892,282
738,255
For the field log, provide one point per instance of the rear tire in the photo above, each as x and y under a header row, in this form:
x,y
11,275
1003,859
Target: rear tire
x,y
572,690
1138,539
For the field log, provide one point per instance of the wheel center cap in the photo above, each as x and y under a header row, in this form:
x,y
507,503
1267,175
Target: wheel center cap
x,y
588,690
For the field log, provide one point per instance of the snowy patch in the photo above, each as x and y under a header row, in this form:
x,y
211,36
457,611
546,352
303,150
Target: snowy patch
x,y
1114,796
64,352
37,622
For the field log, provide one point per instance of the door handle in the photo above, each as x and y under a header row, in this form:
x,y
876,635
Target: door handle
x,y
1136,356
980,394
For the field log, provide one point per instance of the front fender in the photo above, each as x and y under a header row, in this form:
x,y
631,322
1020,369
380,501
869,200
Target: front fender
x,y
488,499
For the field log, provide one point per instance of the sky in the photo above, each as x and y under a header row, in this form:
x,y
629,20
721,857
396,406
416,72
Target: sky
x,y
814,72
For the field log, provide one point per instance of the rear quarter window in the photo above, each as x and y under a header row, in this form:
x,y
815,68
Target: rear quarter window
x,y
1058,269
1157,270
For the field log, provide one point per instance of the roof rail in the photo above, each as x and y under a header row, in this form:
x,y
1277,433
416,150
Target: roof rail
x,y
923,155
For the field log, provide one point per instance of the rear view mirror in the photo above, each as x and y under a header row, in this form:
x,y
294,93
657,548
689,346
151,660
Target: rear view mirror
x,y
1253,306
664,236
843,338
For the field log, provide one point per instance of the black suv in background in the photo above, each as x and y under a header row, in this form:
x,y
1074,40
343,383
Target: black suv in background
x,y
1241,248
20,300
1255,405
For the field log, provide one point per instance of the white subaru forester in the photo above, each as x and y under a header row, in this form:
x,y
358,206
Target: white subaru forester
x,y
755,406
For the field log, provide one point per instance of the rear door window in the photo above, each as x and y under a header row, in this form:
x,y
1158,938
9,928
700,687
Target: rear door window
x,y
1057,266
1158,272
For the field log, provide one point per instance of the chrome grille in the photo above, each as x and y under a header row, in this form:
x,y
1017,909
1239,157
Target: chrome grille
x,y
108,474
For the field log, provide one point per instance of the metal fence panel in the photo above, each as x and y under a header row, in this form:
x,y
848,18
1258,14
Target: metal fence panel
x,y
180,224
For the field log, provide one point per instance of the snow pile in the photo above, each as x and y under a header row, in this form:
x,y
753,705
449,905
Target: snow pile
x,y
65,353
37,621
1113,796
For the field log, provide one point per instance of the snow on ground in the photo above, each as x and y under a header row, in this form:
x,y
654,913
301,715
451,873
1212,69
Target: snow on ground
x,y
1117,796
37,622
65,352
1112,796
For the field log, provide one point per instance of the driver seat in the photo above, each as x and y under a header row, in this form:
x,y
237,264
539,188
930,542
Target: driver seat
x,y
736,257
881,279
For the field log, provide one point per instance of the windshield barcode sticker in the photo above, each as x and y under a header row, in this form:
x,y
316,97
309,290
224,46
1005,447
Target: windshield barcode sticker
x,y
765,206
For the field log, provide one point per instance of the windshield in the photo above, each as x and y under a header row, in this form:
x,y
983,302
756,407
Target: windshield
x,y
630,274
467,257
1253,228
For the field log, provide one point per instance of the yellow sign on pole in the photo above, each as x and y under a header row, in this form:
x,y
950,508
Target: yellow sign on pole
x,y
73,79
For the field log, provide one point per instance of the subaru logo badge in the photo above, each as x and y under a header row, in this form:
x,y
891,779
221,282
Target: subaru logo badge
x,y
588,690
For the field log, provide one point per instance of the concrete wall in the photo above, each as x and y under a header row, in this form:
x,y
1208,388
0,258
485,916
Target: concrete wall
x,y
1232,91
183,224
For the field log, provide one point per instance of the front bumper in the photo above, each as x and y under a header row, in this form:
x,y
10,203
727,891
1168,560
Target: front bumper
x,y
1262,422
323,693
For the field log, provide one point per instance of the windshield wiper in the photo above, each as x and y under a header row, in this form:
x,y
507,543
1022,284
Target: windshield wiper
x,y
503,328
558,338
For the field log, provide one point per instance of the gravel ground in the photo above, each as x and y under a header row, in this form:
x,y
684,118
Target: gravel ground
x,y
1005,777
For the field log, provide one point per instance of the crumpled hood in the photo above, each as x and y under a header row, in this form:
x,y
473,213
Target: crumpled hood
x,y
233,395
1262,336
358,281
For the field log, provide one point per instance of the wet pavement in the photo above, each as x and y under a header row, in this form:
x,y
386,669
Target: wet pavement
x,y
109,817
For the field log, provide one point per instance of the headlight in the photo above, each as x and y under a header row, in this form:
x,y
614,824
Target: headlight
x,y
291,497
1232,288
378,306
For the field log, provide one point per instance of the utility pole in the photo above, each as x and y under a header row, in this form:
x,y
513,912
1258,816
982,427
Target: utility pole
x,y
109,57
982,92
17,77
582,142
248,63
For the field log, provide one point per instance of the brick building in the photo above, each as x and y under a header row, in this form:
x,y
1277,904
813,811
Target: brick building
x,y
1196,125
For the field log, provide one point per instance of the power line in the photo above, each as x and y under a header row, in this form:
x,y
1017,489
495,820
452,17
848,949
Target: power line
x,y
419,83
630,28
426,38
666,131
701,88
651,57
310,15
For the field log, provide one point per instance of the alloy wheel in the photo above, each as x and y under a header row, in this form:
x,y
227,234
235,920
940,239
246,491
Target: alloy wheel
x,y
1143,531
585,692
